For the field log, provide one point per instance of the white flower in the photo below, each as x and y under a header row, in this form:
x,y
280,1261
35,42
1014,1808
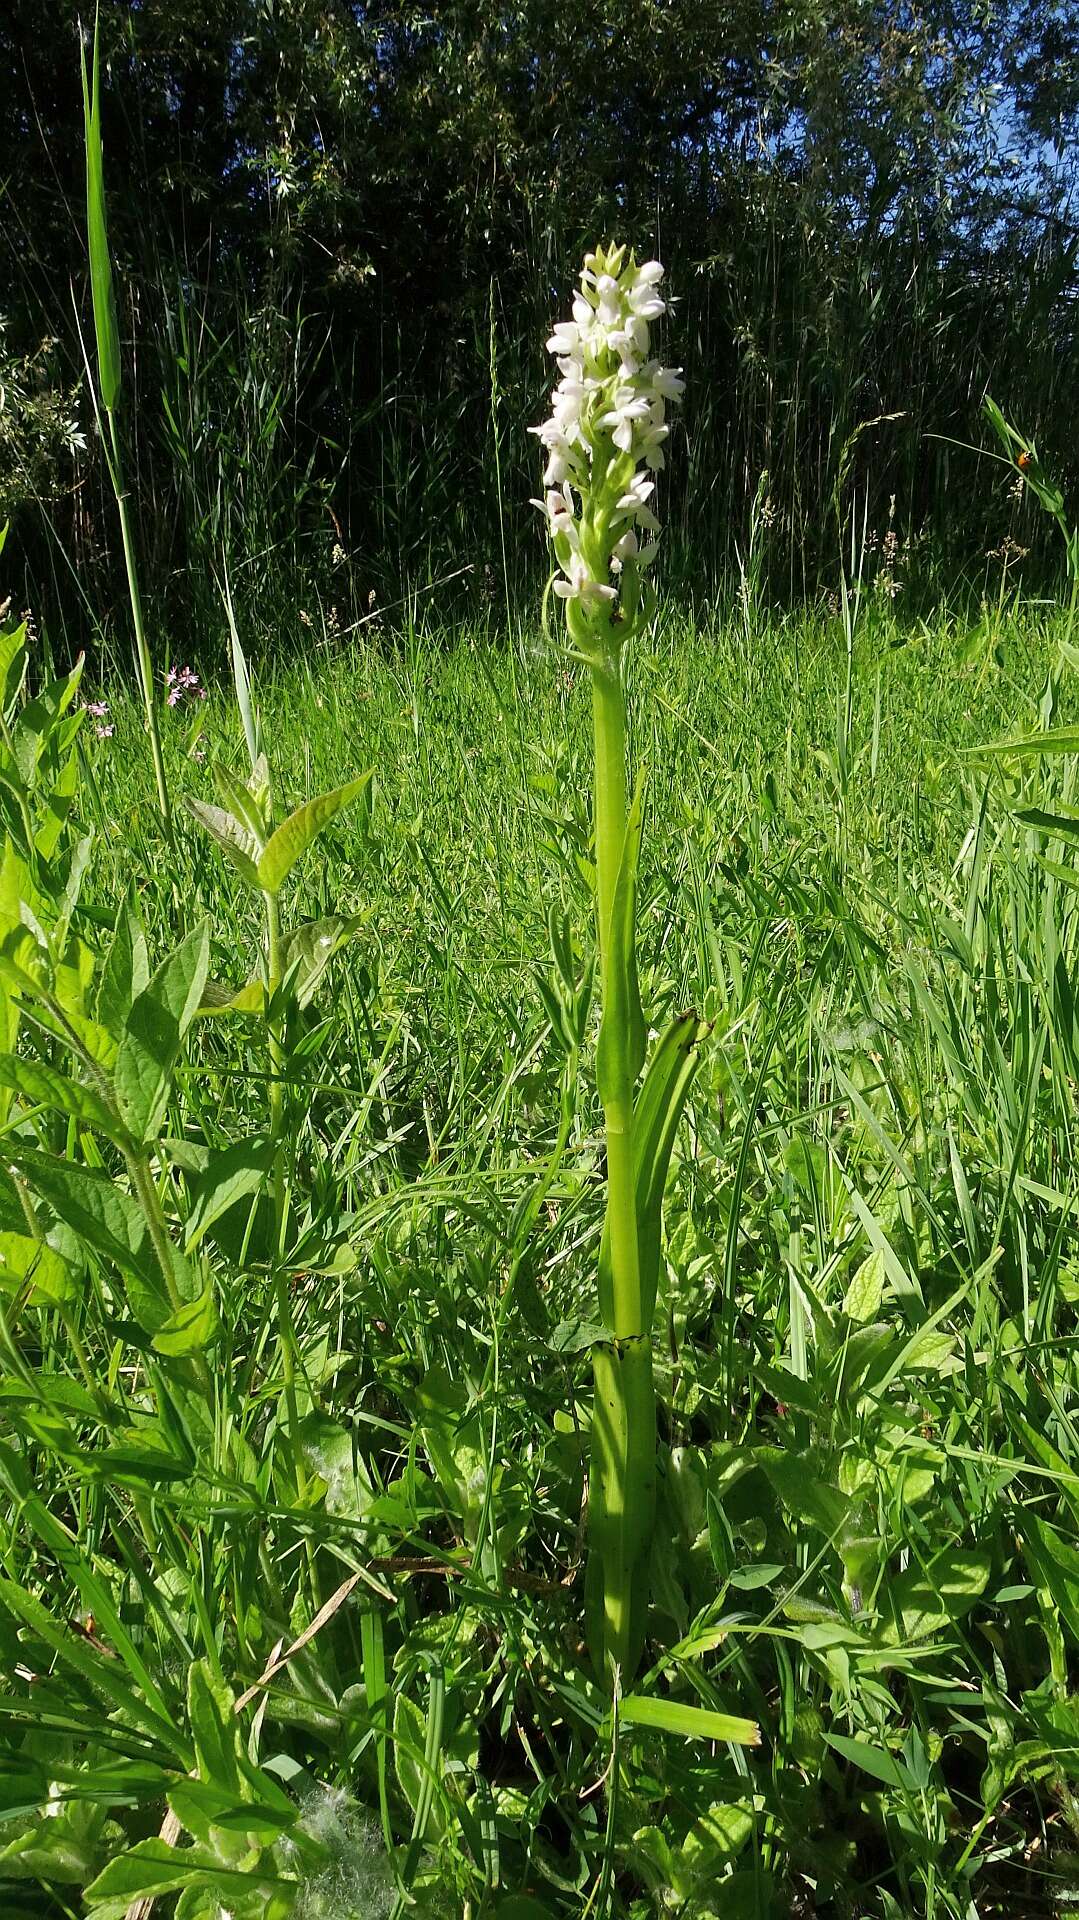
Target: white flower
x,y
606,432
635,495
629,407
666,382
581,586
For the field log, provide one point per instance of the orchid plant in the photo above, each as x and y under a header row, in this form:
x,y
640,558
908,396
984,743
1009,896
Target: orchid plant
x,y
605,443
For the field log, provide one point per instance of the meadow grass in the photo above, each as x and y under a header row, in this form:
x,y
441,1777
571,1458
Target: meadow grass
x,y
867,1532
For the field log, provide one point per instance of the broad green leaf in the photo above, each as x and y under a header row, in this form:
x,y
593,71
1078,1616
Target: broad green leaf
x,y
105,327
236,842
245,800
38,718
802,1491
92,1038
453,1440
692,1723
155,1030
293,837
64,1849
922,1602
43,1086
12,663
153,1867
58,803
213,1727
201,1805
409,1739
309,950
862,1299
125,973
106,1218
190,1329
229,1175
25,1260
218,998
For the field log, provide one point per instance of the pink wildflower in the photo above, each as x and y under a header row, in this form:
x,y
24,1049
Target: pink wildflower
x,y
98,710
183,682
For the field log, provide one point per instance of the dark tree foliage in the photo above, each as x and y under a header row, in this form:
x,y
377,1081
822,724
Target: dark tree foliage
x,y
342,230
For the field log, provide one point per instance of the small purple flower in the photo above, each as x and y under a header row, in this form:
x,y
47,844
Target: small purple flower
x,y
183,683
98,710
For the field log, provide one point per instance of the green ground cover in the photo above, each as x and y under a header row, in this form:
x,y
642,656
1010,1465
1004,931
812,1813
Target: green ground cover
x,y
369,1433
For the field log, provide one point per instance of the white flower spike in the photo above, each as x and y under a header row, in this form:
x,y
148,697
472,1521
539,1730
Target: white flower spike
x,y
604,441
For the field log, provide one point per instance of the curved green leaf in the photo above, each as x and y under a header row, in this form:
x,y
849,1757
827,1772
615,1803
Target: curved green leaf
x,y
293,837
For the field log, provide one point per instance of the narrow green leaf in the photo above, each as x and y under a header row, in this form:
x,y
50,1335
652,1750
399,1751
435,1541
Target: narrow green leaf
x,y
241,677
622,1502
656,1114
1031,746
876,1761
1064,824
693,1723
293,837
105,327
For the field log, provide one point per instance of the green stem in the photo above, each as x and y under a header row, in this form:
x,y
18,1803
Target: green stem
x,y
624,1421
142,645
609,718
149,1200
147,1196
276,1054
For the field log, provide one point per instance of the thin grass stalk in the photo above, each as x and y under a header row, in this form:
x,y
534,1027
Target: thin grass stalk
x,y
143,656
106,397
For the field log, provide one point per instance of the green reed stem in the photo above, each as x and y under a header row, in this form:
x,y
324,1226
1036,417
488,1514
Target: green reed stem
x,y
142,645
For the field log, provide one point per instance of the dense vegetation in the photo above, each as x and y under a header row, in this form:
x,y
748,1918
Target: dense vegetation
x,y
538,1308
868,1532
